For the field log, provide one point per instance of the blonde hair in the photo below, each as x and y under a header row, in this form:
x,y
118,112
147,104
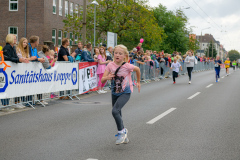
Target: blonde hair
x,y
10,38
109,49
95,51
124,48
51,52
24,51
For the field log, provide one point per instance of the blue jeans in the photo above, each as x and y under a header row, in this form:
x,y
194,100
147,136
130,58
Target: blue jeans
x,y
217,70
5,102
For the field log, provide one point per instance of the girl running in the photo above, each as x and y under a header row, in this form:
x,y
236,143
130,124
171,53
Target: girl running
x,y
101,68
227,66
190,60
121,85
175,69
217,64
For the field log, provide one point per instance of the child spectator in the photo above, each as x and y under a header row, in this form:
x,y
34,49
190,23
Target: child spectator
x,y
101,68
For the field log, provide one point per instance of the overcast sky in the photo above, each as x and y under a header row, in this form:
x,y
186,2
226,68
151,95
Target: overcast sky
x,y
223,16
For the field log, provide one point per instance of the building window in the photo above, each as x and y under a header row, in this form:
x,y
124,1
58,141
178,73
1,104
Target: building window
x,y
59,37
71,37
60,7
13,5
54,6
66,8
54,36
13,30
65,34
71,9
76,9
76,38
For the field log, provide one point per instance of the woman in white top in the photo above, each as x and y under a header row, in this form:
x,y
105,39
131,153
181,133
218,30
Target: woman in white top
x,y
190,60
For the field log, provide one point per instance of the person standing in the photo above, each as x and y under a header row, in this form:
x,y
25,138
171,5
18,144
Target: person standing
x,y
190,60
101,68
34,41
119,72
9,53
217,64
227,66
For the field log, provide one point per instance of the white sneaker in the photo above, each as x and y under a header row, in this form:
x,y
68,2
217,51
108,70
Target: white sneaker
x,y
189,82
99,91
7,109
19,106
38,102
44,102
103,91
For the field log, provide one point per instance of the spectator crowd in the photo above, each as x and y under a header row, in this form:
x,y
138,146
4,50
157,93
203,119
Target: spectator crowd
x,y
26,51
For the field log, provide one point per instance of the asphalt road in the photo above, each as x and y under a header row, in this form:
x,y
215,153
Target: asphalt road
x,y
201,127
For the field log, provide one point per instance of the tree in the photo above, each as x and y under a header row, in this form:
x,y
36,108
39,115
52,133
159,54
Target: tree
x,y
233,55
175,33
130,20
193,44
208,51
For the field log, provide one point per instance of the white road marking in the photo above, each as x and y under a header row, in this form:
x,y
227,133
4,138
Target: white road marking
x,y
219,79
223,77
161,116
91,159
194,95
209,85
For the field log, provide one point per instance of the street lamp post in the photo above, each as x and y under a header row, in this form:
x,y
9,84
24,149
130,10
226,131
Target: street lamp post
x,y
201,38
95,4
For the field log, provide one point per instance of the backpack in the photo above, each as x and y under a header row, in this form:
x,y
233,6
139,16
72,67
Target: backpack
x,y
79,56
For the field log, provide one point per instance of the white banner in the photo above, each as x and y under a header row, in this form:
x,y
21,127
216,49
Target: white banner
x,y
23,79
88,80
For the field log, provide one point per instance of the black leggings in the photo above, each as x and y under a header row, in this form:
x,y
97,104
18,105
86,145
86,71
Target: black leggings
x,y
174,75
189,70
118,102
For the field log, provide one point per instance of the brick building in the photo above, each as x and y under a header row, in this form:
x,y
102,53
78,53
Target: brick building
x,y
43,18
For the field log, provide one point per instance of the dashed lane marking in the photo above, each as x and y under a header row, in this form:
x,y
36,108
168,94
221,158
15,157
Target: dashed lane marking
x,y
194,95
161,116
209,85
91,159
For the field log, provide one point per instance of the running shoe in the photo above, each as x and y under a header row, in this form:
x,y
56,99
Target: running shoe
x,y
126,139
174,82
189,82
121,138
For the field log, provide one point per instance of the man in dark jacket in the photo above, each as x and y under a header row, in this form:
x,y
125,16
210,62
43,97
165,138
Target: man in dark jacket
x,y
86,55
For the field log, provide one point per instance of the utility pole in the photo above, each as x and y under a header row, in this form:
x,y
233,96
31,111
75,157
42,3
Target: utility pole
x,y
84,29
212,45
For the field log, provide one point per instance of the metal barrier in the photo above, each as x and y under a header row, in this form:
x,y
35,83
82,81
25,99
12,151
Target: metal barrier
x,y
150,71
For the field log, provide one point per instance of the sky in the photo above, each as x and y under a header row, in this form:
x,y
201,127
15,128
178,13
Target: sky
x,y
223,16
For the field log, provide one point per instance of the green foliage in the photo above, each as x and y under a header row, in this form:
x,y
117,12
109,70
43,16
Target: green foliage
x,y
233,55
175,32
212,52
193,44
130,21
